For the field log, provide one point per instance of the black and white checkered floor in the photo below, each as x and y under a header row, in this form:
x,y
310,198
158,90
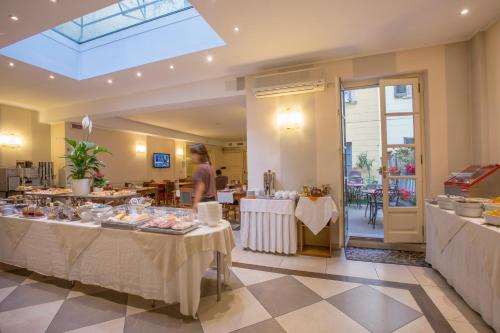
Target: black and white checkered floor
x,y
256,299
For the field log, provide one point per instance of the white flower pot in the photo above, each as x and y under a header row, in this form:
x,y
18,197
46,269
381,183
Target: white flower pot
x,y
80,186
97,189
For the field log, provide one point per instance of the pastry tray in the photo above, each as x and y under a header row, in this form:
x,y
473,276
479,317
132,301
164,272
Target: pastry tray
x,y
118,225
168,231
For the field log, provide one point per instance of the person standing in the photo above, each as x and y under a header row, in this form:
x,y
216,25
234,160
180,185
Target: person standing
x,y
220,180
204,176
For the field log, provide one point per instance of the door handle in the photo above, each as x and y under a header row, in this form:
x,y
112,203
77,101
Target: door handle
x,y
384,172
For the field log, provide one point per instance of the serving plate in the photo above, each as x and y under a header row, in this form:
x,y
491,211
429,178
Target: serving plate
x,y
168,231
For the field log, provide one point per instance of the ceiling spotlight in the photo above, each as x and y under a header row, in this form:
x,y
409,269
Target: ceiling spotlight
x,y
138,74
464,11
52,77
53,1
14,18
172,67
110,81
11,64
236,29
210,58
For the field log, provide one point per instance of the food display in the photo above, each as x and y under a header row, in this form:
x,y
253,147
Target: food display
x,y
113,193
492,217
179,221
124,217
446,201
50,191
468,207
32,212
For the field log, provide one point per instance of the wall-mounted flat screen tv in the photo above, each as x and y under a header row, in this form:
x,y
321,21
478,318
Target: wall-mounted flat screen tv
x,y
161,160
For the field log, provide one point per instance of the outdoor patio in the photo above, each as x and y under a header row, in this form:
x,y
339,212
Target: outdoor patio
x,y
358,223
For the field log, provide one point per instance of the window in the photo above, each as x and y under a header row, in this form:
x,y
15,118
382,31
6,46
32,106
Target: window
x,y
348,159
403,91
349,96
408,141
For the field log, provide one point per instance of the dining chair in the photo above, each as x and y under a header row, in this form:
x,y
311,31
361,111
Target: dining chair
x,y
186,197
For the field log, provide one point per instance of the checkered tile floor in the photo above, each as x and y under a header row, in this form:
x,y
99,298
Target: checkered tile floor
x,y
255,300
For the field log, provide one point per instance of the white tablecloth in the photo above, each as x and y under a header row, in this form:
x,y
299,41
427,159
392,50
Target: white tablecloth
x,y
117,259
315,214
467,254
268,225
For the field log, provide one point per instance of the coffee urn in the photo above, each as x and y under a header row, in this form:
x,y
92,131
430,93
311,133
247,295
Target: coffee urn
x,y
46,173
269,184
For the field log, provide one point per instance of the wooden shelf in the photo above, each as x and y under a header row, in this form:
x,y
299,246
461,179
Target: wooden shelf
x,y
313,249
316,251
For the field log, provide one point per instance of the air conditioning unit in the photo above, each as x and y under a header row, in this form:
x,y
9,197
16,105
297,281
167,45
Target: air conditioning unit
x,y
237,144
289,83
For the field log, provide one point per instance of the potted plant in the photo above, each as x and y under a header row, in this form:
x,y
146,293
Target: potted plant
x,y
394,171
410,169
83,160
99,182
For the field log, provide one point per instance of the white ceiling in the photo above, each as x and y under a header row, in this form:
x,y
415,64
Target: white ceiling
x,y
272,33
219,122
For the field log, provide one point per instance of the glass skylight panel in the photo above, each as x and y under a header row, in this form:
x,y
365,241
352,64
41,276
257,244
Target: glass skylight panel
x,y
122,15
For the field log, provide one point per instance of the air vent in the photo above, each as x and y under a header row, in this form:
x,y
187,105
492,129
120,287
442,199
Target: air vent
x,y
76,126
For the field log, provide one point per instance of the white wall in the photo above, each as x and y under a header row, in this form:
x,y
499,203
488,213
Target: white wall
x,y
35,136
492,52
127,165
312,155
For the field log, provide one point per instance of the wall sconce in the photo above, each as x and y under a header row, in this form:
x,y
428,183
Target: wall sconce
x,y
179,152
10,140
140,148
290,119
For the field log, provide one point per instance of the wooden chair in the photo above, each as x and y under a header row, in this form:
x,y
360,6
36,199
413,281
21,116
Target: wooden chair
x,y
170,193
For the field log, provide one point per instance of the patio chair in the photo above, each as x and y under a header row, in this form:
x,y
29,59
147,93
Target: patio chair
x,y
376,204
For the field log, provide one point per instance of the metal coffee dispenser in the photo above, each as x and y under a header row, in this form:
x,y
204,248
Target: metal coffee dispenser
x,y
269,183
46,173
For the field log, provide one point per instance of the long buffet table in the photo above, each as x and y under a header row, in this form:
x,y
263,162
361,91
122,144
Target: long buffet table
x,y
467,253
154,266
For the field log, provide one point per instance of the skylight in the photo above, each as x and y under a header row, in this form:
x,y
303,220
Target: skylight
x,y
122,15
128,34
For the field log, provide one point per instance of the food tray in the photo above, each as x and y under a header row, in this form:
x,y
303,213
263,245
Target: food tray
x,y
168,231
118,225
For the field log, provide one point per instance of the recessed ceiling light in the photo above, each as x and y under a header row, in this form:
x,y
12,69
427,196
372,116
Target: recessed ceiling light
x,y
110,81
210,58
14,18
52,77
138,74
172,67
236,29
11,64
464,11
53,1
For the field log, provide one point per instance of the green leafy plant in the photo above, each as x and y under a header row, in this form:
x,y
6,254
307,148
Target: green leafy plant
x,y
365,163
83,155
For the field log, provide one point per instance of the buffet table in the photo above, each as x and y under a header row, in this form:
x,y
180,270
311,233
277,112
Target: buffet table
x,y
154,266
269,225
467,253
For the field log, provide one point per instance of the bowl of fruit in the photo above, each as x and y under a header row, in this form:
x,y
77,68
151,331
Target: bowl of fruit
x,y
492,217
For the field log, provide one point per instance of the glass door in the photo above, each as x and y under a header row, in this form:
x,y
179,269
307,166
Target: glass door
x,y
401,160
345,165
